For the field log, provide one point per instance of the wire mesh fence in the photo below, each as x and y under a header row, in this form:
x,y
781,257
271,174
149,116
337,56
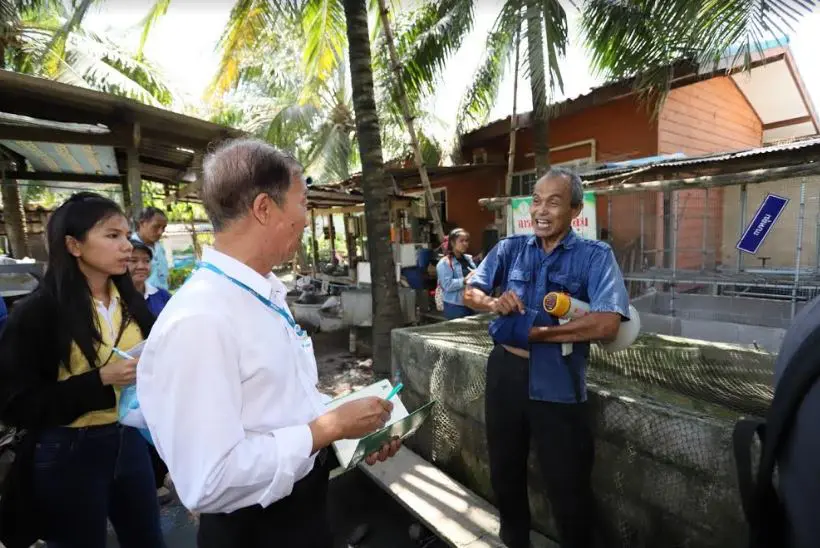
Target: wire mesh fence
x,y
663,414
685,242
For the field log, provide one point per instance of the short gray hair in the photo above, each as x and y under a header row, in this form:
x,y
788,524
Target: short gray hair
x,y
576,187
238,171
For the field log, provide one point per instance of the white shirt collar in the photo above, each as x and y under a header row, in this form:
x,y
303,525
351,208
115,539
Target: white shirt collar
x,y
149,290
264,285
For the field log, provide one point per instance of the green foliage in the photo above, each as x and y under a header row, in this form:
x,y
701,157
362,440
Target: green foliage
x,y
177,277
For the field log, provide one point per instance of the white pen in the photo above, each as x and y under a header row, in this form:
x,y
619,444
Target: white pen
x,y
122,354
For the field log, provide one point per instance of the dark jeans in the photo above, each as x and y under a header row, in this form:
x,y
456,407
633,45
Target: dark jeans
x,y
563,444
84,476
296,521
453,311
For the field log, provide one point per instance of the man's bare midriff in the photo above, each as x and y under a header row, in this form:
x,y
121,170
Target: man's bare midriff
x,y
520,352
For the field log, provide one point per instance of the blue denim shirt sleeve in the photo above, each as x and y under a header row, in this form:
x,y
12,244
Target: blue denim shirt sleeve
x,y
446,276
513,329
492,272
605,286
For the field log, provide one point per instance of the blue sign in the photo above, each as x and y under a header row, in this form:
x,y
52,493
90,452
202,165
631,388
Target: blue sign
x,y
762,223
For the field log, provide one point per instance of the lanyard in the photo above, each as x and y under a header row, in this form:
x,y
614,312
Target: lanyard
x,y
267,302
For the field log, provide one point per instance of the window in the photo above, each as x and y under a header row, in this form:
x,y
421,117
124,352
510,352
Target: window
x,y
440,197
524,181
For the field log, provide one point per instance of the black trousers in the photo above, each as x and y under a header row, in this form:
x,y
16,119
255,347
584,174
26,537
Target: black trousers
x,y
564,447
296,521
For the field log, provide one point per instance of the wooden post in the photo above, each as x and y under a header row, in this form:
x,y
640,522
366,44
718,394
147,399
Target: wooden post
x,y
350,240
14,216
314,243
134,176
331,231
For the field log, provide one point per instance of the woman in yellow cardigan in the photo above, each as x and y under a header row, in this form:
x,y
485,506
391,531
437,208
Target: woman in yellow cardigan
x,y
60,378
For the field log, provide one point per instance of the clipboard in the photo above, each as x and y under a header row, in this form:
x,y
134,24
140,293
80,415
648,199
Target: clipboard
x,y
401,425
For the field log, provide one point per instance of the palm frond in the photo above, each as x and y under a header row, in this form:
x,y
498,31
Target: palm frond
x,y
482,92
157,11
248,21
325,32
437,31
56,48
645,38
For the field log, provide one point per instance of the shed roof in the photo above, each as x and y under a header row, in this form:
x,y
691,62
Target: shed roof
x,y
76,135
773,87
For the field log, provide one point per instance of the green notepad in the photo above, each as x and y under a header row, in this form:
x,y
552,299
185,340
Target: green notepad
x,y
401,425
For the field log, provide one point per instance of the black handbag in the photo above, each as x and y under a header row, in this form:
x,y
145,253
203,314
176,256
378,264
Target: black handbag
x,y
18,517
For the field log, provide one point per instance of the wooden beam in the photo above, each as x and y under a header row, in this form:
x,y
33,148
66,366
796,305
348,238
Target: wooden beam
x,y
786,123
62,177
47,135
148,160
709,181
133,171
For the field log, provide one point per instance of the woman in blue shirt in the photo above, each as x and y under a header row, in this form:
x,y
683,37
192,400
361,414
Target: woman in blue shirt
x,y
452,271
139,266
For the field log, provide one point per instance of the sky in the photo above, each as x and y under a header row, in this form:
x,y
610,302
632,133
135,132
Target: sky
x,y
183,45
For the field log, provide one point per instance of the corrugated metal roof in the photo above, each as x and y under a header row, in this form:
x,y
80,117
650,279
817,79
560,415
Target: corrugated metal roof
x,y
593,176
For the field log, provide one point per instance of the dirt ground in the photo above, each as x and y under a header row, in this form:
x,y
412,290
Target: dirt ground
x,y
341,372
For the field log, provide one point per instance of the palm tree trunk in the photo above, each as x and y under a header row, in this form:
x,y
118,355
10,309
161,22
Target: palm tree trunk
x,y
538,85
385,292
408,120
14,215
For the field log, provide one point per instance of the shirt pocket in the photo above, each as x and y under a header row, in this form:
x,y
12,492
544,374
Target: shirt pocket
x,y
519,281
565,283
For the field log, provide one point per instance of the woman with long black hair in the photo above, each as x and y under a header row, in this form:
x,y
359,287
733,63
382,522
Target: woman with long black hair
x,y
452,271
60,377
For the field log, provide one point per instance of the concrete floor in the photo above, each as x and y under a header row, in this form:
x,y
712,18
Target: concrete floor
x,y
354,499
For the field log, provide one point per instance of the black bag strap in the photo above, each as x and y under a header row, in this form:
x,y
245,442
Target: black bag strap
x,y
742,440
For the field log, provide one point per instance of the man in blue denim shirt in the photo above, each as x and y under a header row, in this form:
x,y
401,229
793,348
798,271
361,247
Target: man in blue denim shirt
x,y
532,389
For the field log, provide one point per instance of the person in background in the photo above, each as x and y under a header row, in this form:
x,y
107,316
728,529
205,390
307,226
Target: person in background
x,y
534,391
453,270
150,228
60,377
4,313
227,380
140,267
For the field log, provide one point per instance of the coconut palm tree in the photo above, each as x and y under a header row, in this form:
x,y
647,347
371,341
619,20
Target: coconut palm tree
x,y
644,38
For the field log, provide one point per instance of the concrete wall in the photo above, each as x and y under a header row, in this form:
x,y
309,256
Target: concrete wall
x,y
734,320
664,474
781,243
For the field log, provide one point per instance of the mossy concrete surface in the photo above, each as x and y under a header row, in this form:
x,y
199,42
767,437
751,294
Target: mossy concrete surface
x,y
663,416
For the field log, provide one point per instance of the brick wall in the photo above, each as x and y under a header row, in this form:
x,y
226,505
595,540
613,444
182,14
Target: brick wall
x,y
703,118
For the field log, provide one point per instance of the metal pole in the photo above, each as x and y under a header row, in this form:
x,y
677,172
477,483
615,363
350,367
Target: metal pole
x,y
640,256
800,218
609,218
674,225
705,231
742,225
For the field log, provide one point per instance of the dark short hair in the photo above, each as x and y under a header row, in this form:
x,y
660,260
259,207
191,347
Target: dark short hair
x,y
237,172
576,186
148,213
142,247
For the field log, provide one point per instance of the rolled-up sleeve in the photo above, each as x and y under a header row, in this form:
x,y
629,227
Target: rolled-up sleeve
x,y
606,288
189,388
491,273
513,329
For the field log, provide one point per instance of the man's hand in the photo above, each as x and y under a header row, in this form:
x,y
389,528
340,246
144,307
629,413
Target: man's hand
x,y
508,303
119,373
388,450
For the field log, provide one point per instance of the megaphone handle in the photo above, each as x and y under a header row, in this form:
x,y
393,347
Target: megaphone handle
x,y
566,348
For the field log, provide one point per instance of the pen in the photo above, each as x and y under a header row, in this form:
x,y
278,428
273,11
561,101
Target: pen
x,y
122,354
395,391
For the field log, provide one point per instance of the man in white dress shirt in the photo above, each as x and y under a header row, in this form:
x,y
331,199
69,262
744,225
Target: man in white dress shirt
x,y
227,381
